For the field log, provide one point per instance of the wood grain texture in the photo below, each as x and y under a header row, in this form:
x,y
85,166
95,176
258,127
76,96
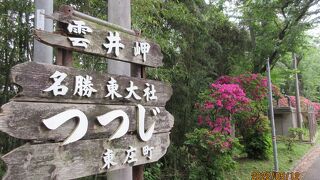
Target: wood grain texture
x,y
79,159
23,120
34,78
98,38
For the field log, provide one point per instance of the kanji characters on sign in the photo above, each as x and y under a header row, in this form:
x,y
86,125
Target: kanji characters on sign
x,y
108,157
79,28
147,151
114,43
113,88
56,87
150,92
131,155
132,92
141,48
79,42
56,121
84,86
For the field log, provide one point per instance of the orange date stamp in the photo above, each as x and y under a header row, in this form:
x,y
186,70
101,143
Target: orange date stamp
x,y
270,175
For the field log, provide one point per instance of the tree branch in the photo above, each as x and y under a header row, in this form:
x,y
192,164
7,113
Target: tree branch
x,y
283,32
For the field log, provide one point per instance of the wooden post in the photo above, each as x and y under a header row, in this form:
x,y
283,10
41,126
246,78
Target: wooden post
x,y
119,12
138,71
63,56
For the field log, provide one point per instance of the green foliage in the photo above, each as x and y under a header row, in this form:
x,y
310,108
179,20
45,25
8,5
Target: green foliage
x,y
290,140
175,163
153,172
96,8
287,161
256,137
15,47
209,157
276,30
310,75
16,41
198,42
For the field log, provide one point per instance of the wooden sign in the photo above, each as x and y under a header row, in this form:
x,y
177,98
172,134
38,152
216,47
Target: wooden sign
x,y
34,78
82,158
109,40
80,123
47,93
23,120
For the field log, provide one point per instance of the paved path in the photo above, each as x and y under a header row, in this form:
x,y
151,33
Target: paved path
x,y
309,166
313,173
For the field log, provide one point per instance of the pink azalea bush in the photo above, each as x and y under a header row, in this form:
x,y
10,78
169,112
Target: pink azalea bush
x,y
254,85
241,99
222,101
228,96
304,103
316,107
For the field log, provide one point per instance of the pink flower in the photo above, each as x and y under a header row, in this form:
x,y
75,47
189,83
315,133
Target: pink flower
x,y
226,145
208,105
217,129
264,82
228,96
219,103
200,120
254,76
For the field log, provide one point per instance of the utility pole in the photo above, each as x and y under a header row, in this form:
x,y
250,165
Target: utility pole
x,y
271,116
43,53
298,109
119,12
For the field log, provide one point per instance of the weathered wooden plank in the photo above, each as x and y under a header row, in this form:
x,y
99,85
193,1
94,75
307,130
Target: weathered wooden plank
x,y
97,38
79,159
23,120
34,78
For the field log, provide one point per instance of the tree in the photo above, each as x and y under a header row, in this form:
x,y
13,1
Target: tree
x,y
276,30
15,35
199,44
309,68
15,47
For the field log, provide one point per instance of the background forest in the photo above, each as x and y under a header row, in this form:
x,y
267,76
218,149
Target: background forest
x,y
201,41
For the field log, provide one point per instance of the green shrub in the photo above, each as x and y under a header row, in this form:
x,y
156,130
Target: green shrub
x,y
152,171
291,138
210,154
256,137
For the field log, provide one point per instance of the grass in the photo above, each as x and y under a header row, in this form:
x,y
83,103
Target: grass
x,y
287,160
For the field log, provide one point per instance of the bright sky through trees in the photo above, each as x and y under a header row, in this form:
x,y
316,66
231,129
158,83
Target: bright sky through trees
x,y
231,11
